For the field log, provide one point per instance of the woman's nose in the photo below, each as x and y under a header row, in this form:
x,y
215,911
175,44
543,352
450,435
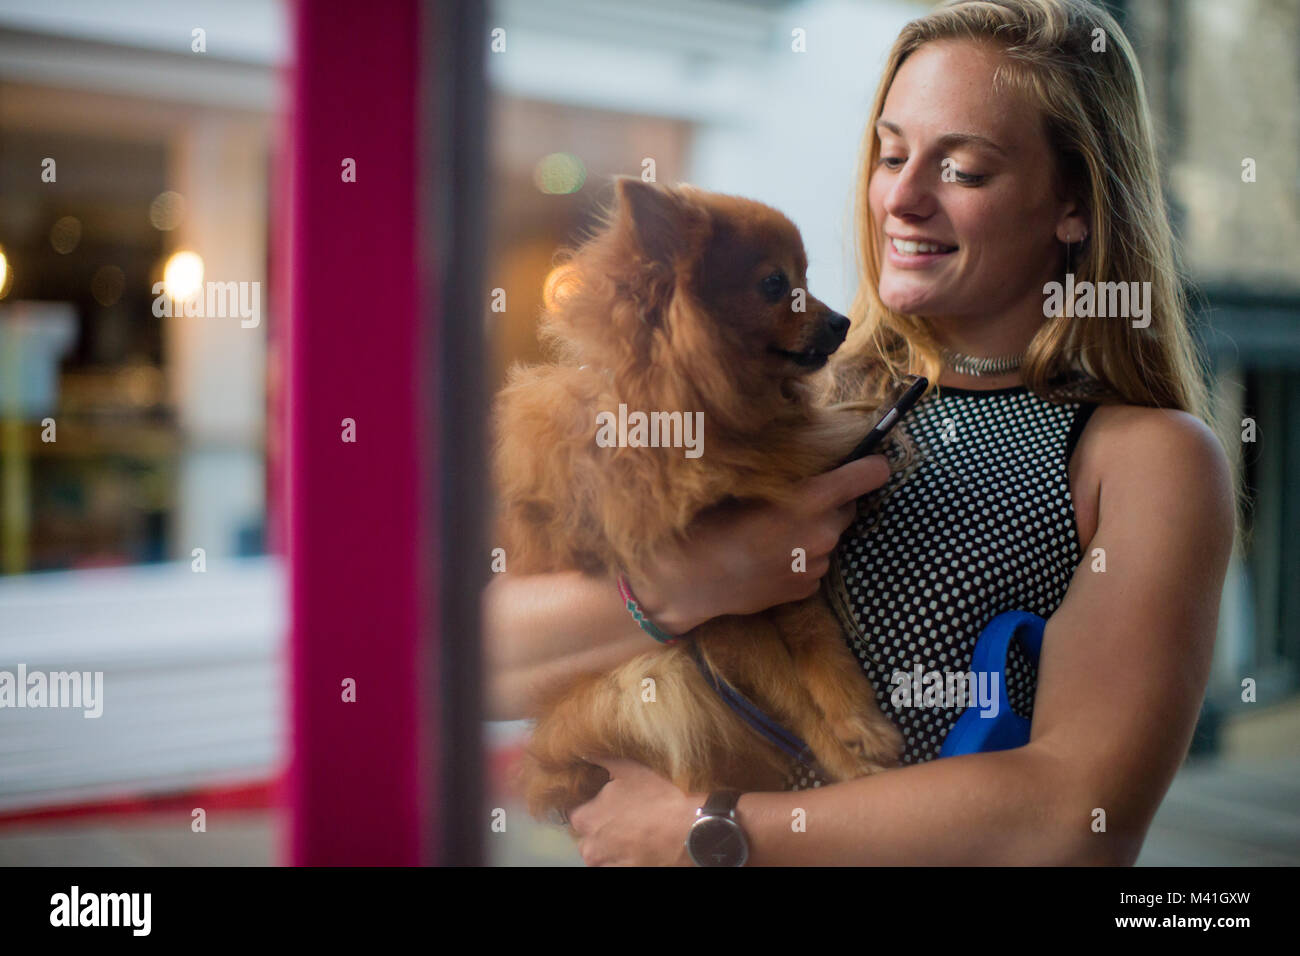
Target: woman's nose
x,y
911,195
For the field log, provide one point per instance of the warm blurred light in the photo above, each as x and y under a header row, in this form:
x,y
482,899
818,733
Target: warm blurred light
x,y
560,173
561,282
6,277
167,210
143,384
183,275
65,234
108,285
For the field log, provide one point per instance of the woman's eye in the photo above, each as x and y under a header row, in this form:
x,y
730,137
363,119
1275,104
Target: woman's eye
x,y
775,286
891,162
954,175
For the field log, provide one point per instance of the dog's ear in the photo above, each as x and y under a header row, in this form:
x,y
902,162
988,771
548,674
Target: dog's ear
x,y
660,222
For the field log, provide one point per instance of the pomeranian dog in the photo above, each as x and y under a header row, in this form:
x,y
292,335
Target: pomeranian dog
x,y
689,308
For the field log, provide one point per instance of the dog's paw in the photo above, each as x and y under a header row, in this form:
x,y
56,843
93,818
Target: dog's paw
x,y
875,743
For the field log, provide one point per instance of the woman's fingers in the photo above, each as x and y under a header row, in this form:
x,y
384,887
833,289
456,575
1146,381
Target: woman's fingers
x,y
845,514
847,483
842,488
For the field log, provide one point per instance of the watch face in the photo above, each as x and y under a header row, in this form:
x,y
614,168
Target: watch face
x,y
718,841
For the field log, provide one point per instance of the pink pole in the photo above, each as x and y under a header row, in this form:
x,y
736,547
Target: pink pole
x,y
358,511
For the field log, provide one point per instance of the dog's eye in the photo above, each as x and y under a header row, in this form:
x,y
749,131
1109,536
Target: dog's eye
x,y
775,286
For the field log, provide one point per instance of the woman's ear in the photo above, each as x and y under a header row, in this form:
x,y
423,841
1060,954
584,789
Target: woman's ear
x,y
1072,226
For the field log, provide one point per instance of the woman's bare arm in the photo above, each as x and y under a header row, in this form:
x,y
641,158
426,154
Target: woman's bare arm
x,y
1123,672
539,630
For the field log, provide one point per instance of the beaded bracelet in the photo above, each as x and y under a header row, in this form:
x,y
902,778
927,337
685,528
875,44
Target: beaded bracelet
x,y
640,616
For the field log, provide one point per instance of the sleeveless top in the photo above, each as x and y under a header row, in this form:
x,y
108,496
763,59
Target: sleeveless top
x,y
980,522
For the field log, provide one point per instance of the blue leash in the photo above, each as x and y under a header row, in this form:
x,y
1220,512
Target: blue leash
x,y
785,741
974,732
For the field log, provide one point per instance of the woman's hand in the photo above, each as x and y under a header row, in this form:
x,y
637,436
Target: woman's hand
x,y
638,818
739,558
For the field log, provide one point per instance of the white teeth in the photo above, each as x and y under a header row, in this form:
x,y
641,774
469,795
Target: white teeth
x,y
909,248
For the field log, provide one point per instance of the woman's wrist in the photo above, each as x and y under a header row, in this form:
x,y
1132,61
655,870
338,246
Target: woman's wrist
x,y
639,614
669,614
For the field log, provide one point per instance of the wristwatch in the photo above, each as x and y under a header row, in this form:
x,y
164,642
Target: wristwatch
x,y
715,838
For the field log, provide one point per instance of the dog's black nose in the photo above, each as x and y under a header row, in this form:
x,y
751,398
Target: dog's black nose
x,y
838,325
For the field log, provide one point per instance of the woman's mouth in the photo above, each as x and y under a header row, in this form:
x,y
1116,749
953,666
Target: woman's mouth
x,y
917,253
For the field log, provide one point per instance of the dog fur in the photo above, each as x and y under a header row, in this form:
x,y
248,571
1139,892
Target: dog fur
x,y
672,306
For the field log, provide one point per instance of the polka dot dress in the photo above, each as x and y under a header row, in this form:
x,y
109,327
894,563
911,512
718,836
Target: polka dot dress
x,y
980,523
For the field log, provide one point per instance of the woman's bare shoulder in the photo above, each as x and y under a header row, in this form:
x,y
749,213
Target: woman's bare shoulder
x,y
1163,438
1128,454
1131,453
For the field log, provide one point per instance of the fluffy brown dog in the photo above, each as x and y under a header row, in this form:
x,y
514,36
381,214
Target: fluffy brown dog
x,y
686,302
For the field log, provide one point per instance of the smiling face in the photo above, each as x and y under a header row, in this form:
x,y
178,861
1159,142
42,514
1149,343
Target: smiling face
x,y
963,196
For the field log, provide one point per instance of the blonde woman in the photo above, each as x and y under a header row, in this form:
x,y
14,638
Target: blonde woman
x,y
1062,466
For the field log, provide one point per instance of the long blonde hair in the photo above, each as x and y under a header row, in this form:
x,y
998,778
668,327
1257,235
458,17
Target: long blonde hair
x,y
1098,123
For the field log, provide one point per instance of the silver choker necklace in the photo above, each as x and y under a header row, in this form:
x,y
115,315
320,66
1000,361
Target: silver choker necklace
x,y
974,365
